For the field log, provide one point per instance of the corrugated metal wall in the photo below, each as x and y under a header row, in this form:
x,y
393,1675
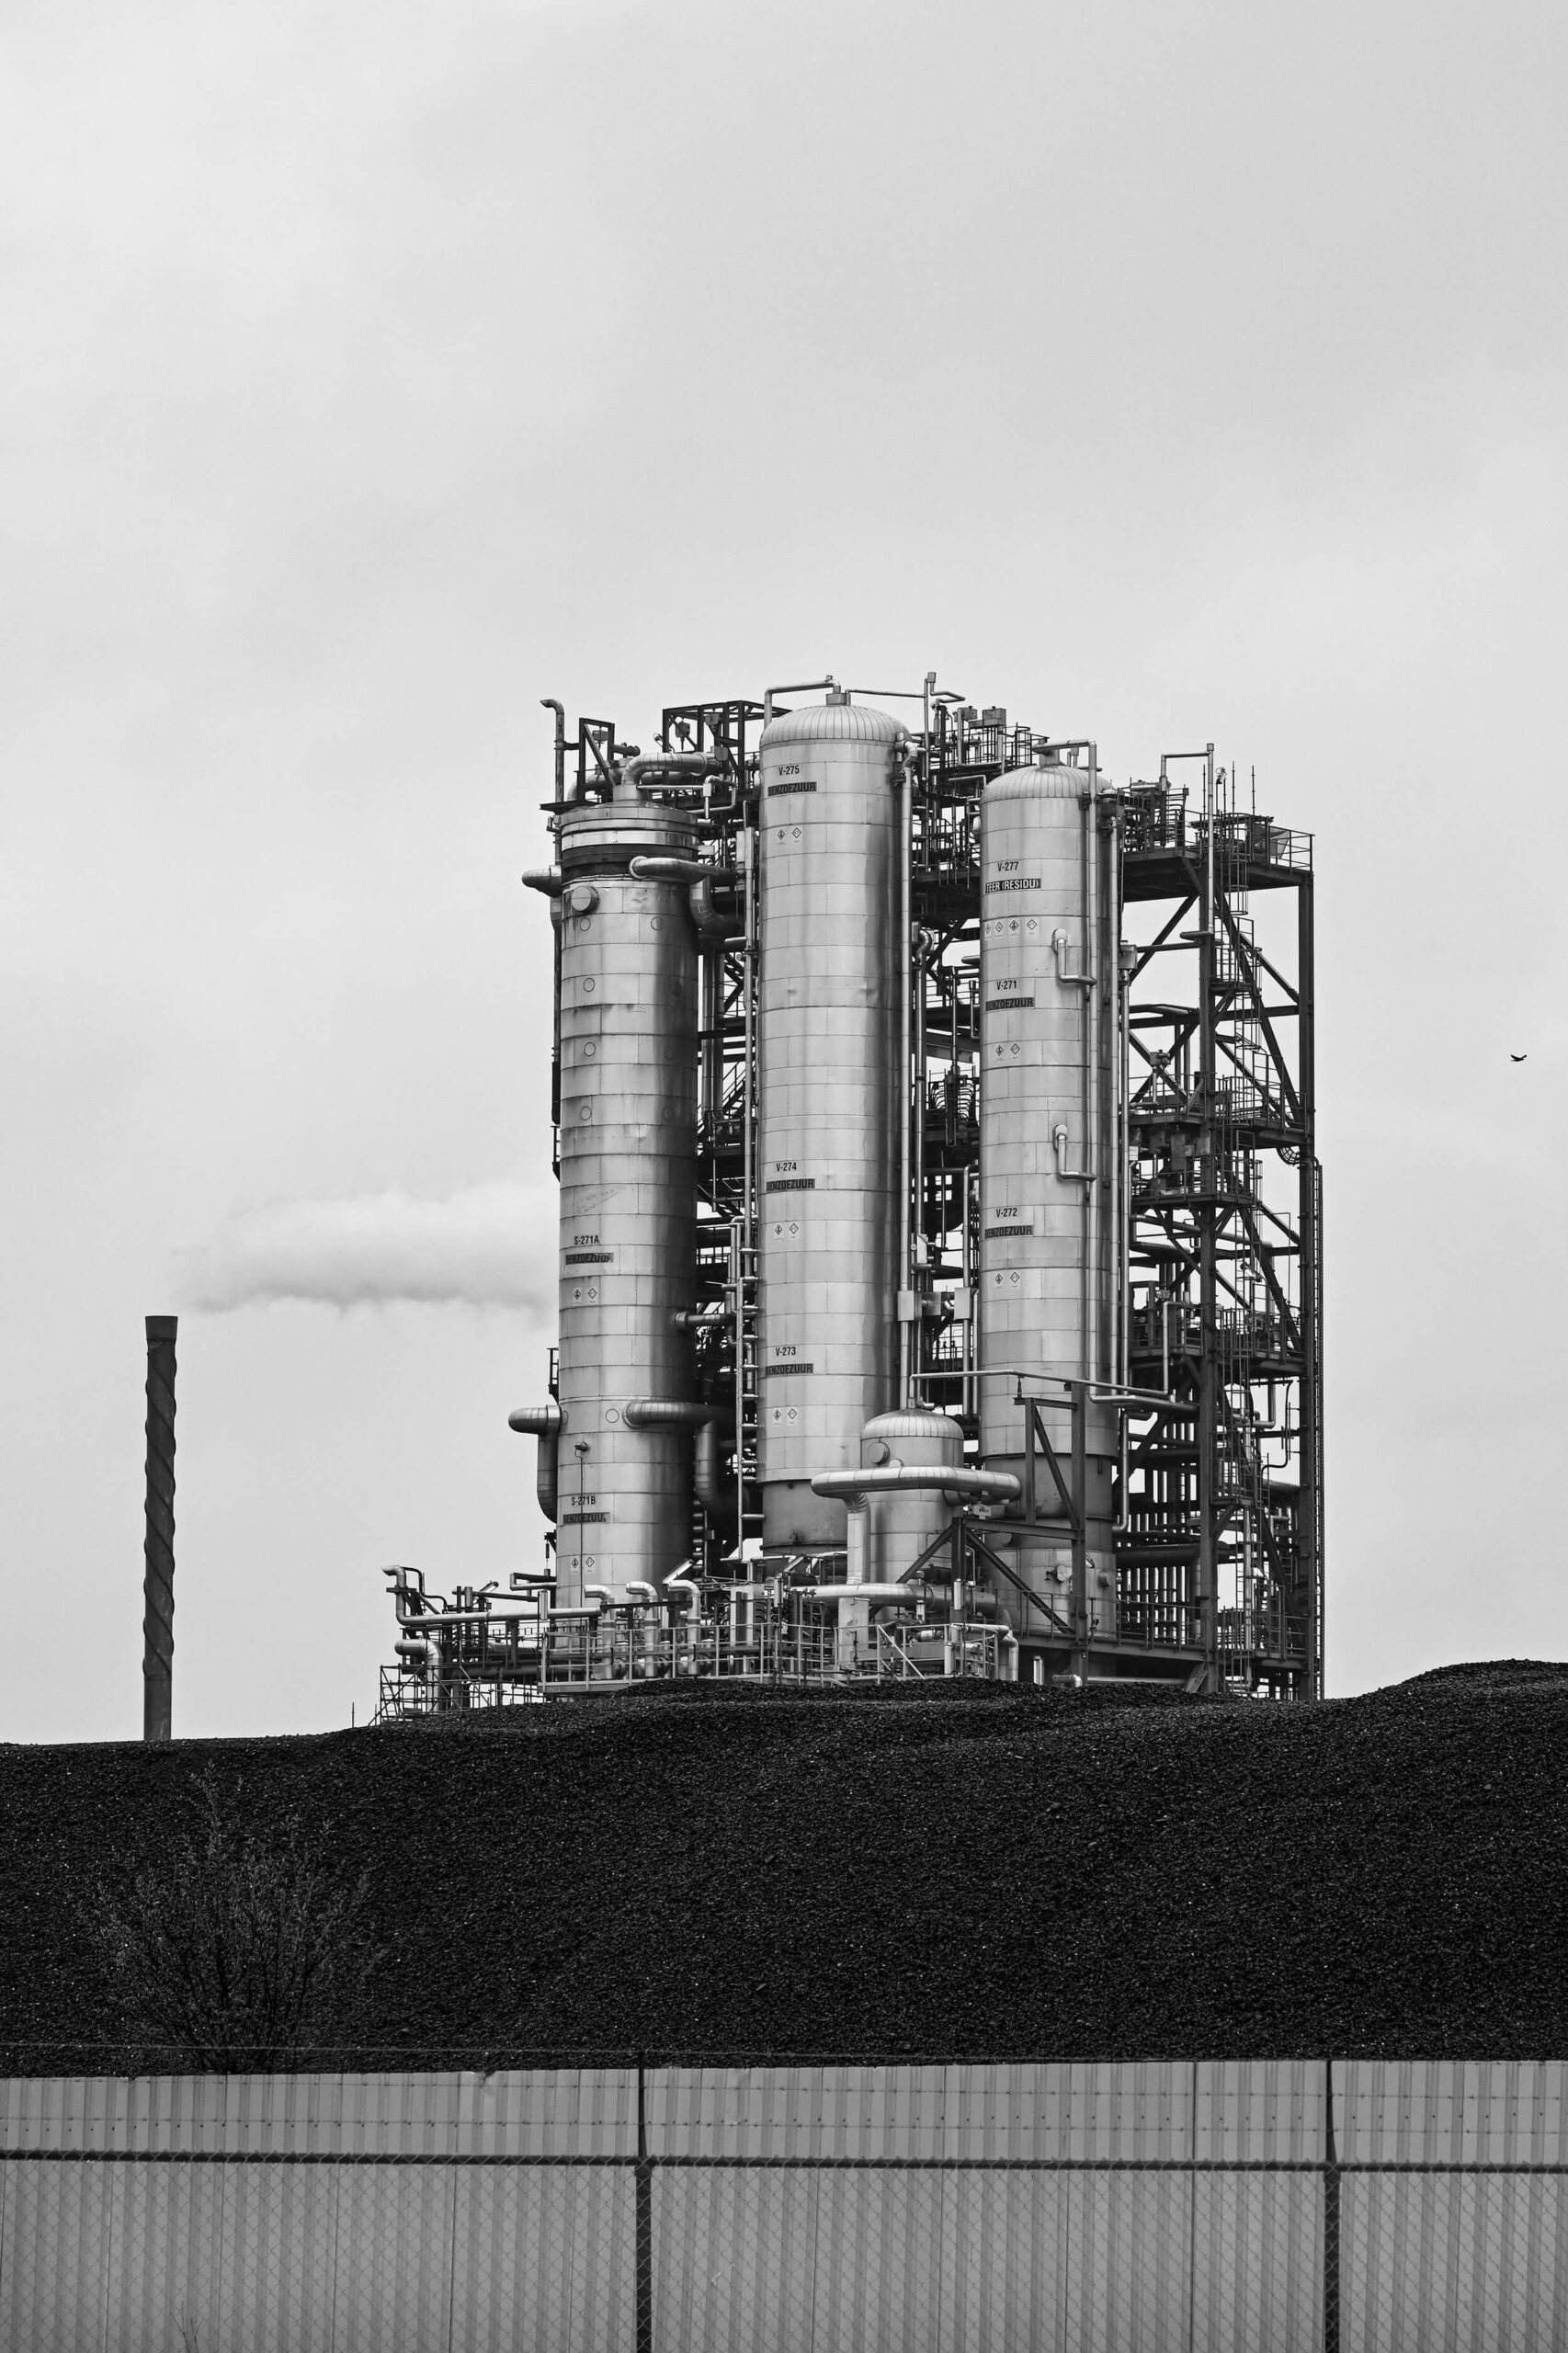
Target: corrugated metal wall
x,y
1119,2207
1444,2258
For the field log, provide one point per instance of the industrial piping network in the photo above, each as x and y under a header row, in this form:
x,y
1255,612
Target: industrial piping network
x,y
935,1297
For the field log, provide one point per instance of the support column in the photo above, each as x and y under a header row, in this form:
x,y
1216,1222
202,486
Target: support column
x,y
1208,1275
1309,1533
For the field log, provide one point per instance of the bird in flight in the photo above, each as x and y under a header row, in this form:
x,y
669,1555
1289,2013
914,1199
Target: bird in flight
x,y
1518,1058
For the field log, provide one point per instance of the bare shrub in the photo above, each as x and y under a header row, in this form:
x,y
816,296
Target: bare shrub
x,y
237,1951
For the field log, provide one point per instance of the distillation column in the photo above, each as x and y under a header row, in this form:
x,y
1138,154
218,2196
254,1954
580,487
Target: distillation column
x,y
829,1100
1046,1134
629,1016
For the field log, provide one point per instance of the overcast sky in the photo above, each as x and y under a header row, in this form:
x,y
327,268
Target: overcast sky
x,y
1165,372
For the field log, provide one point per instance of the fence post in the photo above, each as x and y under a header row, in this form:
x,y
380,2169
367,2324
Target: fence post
x,y
645,2220
1330,2220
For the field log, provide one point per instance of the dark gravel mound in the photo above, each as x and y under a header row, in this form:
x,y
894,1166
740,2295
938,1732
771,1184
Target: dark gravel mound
x,y
968,1872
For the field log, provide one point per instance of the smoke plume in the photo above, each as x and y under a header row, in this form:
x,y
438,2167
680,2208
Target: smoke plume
x,y
486,1246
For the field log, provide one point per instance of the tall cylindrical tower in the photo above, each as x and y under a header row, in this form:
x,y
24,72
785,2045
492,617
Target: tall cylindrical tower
x,y
158,1582
1047,1109
831,1099
628,1148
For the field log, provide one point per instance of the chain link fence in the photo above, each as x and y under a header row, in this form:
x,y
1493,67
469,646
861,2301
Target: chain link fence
x,y
1244,2206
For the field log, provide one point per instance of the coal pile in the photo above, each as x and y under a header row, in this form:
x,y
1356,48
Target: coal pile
x,y
966,1872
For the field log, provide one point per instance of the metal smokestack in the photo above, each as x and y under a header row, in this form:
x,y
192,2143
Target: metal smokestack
x,y
158,1620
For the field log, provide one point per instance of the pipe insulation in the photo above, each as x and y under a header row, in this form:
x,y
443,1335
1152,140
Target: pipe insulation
x,y
545,1423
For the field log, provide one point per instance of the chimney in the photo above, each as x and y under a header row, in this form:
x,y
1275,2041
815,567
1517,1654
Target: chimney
x,y
158,1620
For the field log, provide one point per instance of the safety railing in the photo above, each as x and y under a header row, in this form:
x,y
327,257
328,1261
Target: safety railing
x,y
783,1648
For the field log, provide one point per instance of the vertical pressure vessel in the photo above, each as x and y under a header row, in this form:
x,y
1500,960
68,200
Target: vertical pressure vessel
x,y
1046,1096
628,1148
831,1099
903,1524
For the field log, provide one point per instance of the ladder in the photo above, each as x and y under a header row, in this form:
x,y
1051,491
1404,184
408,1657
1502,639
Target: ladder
x,y
741,1295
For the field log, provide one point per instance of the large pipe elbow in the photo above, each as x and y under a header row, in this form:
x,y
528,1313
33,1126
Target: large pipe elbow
x,y
536,1421
679,1584
712,921
545,1423
408,1597
664,1414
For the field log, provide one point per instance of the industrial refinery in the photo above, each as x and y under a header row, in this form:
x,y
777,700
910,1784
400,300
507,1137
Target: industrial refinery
x,y
940,1276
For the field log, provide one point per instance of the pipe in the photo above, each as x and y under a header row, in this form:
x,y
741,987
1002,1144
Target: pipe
x,y
952,1482
1096,919
545,1423
712,922
548,878
692,767
665,1413
408,1581
857,1518
800,687
949,1479
678,1583
1060,946
742,1230
1119,1143
548,703
677,870
642,1589
158,1578
547,1476
905,985
538,1419
918,979
431,1621
1085,1176
699,874
875,1597
718,1505
1085,1079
